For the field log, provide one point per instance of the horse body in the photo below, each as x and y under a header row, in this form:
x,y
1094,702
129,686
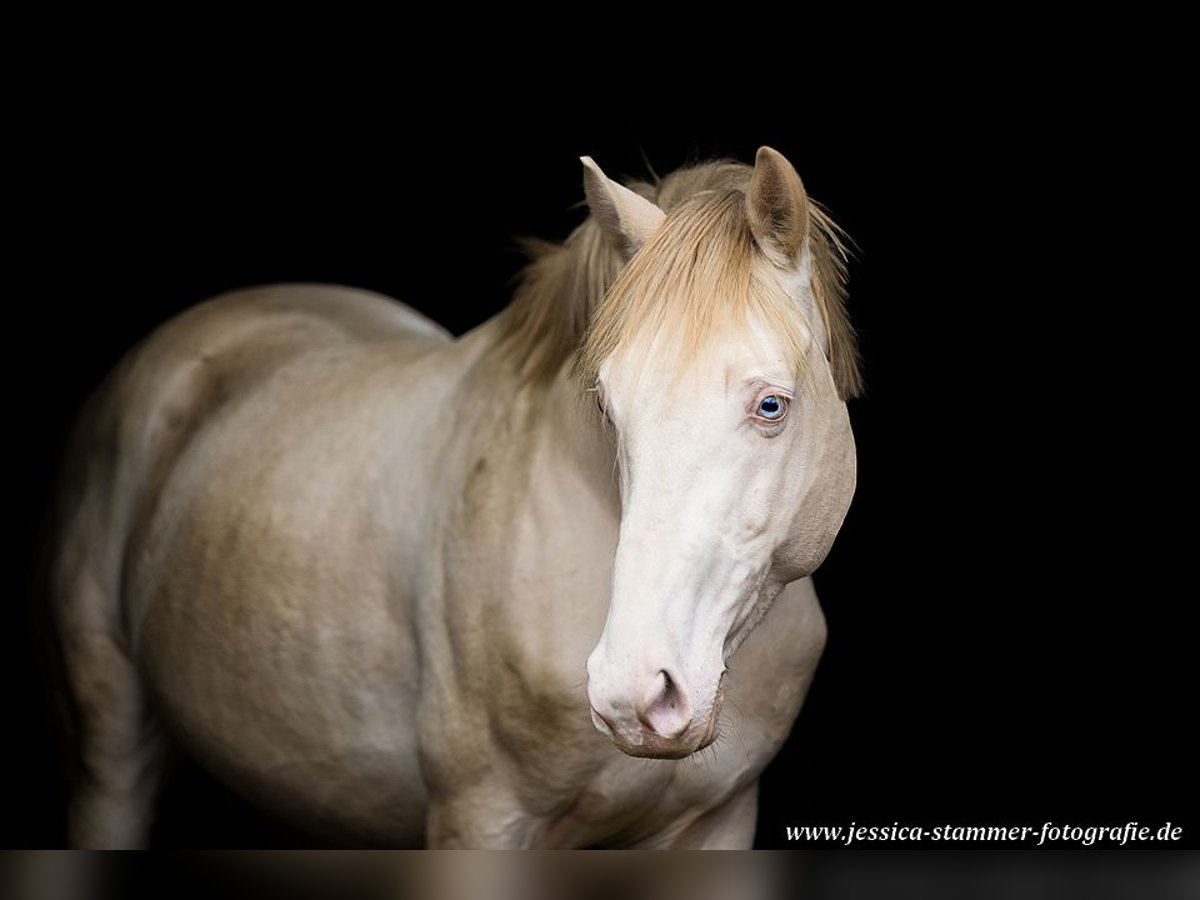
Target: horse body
x,y
356,568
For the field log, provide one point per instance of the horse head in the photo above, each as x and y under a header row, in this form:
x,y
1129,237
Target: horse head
x,y
722,360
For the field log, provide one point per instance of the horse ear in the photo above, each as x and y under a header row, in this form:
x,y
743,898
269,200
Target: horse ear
x,y
777,208
627,217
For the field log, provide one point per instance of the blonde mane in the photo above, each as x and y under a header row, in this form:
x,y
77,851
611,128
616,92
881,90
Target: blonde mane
x,y
699,274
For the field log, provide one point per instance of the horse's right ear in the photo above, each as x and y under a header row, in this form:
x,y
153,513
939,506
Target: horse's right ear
x,y
628,218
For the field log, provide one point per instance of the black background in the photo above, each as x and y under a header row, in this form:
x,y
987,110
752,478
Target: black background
x,y
1008,639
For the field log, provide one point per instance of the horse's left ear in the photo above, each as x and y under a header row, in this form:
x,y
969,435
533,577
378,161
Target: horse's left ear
x,y
777,208
628,218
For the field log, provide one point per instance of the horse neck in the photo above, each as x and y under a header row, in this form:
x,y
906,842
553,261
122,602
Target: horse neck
x,y
569,412
550,418
524,367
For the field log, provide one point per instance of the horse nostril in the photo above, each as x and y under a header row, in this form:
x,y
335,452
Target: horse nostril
x,y
663,706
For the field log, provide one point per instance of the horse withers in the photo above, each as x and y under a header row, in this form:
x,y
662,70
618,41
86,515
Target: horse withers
x,y
408,590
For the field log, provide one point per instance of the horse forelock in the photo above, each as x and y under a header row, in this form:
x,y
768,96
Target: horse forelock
x,y
701,274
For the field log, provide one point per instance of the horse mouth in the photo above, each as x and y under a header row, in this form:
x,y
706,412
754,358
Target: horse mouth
x,y
643,743
655,747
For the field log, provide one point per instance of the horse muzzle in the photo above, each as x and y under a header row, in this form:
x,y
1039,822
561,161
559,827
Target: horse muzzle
x,y
661,722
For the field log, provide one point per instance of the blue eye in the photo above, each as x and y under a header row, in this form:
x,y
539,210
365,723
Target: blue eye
x,y
771,407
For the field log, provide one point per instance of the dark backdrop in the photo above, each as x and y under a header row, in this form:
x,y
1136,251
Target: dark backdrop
x,y
1005,641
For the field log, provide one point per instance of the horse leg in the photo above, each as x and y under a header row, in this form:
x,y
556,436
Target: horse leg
x,y
729,826
121,747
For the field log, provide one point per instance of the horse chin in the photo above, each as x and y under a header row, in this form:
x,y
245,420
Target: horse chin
x,y
649,745
656,747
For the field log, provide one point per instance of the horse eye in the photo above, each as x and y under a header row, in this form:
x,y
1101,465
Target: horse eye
x,y
771,407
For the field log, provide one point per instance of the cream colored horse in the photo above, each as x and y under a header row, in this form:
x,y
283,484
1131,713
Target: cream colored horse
x,y
404,589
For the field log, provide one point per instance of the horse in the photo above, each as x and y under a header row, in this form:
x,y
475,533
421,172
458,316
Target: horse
x,y
495,591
